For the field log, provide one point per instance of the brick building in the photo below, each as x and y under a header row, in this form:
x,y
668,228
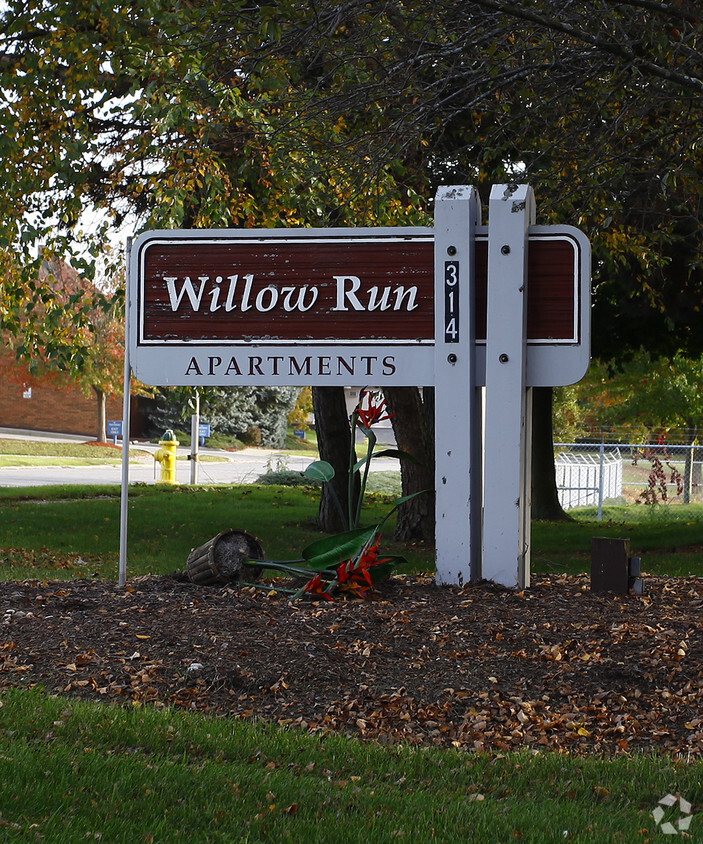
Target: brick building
x,y
48,402
41,405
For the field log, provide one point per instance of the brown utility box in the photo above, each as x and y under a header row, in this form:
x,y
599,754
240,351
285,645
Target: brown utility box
x,y
610,565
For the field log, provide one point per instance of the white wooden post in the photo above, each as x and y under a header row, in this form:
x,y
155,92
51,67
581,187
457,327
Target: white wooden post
x,y
457,408
506,496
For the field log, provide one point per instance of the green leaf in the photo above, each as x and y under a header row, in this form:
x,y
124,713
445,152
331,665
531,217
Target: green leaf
x,y
399,501
367,432
328,552
383,570
320,470
387,452
394,452
360,463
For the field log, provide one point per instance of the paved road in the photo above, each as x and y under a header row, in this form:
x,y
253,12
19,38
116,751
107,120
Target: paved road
x,y
241,467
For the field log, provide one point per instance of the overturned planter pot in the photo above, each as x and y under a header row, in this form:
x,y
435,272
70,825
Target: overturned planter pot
x,y
222,559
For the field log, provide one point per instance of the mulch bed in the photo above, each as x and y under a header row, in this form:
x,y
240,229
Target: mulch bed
x,y
556,666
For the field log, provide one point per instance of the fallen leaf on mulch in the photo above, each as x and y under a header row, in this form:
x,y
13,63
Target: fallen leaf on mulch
x,y
555,666
46,559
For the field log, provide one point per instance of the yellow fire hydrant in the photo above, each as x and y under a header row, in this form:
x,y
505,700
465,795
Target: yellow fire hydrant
x,y
166,456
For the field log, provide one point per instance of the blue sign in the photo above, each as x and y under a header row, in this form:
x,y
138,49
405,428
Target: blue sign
x,y
114,429
203,432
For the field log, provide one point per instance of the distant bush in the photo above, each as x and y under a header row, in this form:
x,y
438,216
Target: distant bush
x,y
287,477
254,415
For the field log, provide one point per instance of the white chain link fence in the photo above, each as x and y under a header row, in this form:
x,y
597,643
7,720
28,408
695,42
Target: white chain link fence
x,y
586,479
591,474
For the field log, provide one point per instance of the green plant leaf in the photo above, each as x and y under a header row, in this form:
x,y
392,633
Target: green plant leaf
x,y
387,452
328,552
367,432
394,452
320,470
360,463
383,570
399,501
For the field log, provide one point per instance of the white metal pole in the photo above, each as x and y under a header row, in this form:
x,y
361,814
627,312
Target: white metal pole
x,y
195,439
601,477
124,491
506,496
457,400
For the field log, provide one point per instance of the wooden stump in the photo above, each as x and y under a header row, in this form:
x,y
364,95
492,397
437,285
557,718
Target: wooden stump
x,y
222,559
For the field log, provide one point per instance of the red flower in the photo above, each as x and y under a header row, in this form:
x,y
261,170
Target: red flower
x,y
370,555
356,589
374,412
356,576
345,570
316,586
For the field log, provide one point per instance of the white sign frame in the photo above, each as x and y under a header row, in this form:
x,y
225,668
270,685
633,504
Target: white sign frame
x,y
347,363
479,533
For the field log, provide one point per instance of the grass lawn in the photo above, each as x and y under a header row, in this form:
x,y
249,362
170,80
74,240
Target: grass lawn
x,y
53,449
17,453
30,453
669,538
75,771
19,460
165,523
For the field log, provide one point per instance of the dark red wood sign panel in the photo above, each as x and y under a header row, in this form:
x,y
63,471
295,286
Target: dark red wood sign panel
x,y
330,290
552,290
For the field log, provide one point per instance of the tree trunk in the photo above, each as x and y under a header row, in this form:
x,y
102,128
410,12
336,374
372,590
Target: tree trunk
x,y
334,442
545,499
413,426
102,414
